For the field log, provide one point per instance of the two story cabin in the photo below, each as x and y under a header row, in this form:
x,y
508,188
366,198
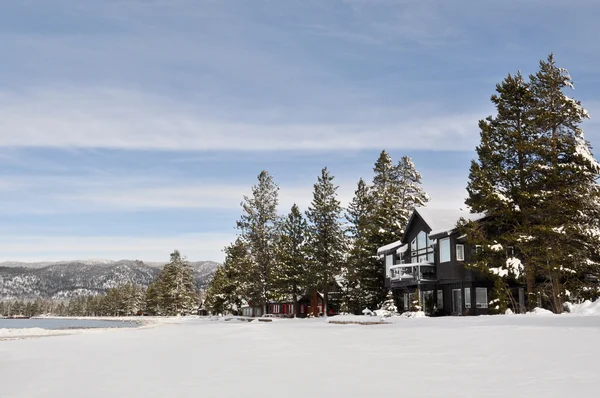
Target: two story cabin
x,y
430,259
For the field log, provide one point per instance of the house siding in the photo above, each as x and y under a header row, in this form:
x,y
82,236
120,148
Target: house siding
x,y
450,275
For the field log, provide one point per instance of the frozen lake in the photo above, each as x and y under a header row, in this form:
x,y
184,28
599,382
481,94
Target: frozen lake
x,y
63,324
487,356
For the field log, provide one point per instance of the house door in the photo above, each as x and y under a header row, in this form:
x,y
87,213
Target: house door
x,y
456,301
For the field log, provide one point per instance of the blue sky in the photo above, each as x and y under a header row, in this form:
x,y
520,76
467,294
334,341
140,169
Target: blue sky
x,y
129,128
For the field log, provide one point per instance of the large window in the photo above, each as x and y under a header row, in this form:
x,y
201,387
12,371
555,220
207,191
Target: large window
x,y
481,299
444,250
420,249
467,297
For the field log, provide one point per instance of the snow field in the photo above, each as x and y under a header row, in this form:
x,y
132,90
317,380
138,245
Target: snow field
x,y
487,356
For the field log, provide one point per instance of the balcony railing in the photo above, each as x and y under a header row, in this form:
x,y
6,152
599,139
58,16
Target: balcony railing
x,y
415,273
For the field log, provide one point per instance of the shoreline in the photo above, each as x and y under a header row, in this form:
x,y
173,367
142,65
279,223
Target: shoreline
x,y
8,334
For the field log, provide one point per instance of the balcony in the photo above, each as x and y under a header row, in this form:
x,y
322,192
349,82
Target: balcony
x,y
412,274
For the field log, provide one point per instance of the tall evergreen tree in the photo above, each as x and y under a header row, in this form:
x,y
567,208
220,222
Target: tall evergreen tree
x,y
504,180
259,232
363,273
174,290
385,224
535,178
291,274
412,193
394,194
225,291
569,212
327,241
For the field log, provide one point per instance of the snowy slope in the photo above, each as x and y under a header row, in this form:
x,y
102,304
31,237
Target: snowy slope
x,y
75,278
501,356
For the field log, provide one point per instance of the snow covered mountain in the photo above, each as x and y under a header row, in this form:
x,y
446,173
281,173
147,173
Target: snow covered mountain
x,y
90,277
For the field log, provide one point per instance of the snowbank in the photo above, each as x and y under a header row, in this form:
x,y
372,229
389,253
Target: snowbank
x,y
9,334
587,308
540,311
356,319
412,314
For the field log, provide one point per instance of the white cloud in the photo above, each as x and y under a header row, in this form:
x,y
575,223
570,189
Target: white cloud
x,y
115,118
197,247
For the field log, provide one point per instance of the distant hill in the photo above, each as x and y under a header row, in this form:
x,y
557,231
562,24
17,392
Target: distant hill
x,y
82,278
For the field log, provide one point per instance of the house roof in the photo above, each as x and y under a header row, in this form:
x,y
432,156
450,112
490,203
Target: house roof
x,y
388,247
444,220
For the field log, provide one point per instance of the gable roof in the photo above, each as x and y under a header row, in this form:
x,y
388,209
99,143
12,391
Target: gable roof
x,y
443,220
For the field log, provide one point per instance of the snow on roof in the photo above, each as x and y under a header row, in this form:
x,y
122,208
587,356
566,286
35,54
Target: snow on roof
x,y
444,220
389,247
402,249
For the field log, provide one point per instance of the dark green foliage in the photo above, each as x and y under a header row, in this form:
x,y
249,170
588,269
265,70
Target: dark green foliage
x,y
536,180
363,276
377,216
292,271
259,232
225,293
327,241
174,290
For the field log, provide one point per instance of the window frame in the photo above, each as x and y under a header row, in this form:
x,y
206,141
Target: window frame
x,y
484,304
467,297
462,252
442,242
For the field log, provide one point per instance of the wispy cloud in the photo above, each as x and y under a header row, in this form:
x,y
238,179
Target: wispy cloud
x,y
206,246
131,120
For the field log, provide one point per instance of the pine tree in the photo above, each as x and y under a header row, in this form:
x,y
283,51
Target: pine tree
x,y
412,194
569,213
387,208
394,194
174,290
504,180
178,286
226,289
259,232
535,178
291,274
327,242
363,274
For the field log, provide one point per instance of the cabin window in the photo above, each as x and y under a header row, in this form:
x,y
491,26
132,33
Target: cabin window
x,y
478,249
421,249
467,297
440,299
422,240
444,250
460,252
510,251
481,297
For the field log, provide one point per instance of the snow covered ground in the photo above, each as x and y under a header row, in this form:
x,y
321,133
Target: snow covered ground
x,y
487,356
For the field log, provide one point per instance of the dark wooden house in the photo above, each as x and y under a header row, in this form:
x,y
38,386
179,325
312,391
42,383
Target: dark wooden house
x,y
430,259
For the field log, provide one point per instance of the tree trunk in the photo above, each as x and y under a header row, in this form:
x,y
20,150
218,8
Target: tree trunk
x,y
325,298
295,310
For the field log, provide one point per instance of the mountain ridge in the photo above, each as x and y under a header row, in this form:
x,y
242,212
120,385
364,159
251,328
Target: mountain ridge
x,y
66,279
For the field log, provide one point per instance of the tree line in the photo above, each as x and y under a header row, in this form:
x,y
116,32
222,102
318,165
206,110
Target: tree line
x,y
537,181
173,292
282,258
